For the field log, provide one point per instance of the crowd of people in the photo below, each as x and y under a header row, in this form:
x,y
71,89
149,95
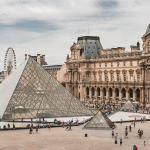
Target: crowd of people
x,y
140,133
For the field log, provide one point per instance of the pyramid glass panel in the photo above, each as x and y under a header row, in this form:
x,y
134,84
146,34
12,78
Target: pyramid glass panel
x,y
128,106
31,92
99,122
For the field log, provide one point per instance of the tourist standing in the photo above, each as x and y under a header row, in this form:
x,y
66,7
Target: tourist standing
x,y
121,121
126,134
120,141
13,127
144,143
49,126
130,128
115,140
63,124
112,134
134,124
36,129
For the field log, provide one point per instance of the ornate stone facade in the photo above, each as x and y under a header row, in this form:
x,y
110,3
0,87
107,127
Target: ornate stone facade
x,y
94,74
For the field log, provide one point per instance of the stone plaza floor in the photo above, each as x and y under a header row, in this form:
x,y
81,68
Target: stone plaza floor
x,y
59,139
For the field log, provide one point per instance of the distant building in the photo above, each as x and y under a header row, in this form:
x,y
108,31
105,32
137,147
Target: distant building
x,y
52,69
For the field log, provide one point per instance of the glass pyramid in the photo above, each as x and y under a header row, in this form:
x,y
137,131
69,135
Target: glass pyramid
x,y
31,92
128,106
99,122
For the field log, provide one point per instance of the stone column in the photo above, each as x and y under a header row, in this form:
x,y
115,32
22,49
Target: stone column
x,y
120,94
134,95
95,93
113,94
107,94
90,93
127,94
140,95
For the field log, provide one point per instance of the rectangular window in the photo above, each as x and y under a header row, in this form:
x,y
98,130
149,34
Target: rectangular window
x,y
100,77
124,76
105,64
111,76
111,64
117,76
100,65
94,65
105,76
131,77
131,63
118,64
87,65
148,46
124,63
138,77
138,63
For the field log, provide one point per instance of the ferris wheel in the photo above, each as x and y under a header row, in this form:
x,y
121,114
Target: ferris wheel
x,y
10,60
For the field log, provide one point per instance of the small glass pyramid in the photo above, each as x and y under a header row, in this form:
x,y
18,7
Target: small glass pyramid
x,y
128,106
99,122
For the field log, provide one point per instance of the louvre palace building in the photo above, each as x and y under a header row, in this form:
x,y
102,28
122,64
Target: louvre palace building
x,y
94,74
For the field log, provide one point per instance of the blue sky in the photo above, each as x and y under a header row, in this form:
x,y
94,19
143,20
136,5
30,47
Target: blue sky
x,y
51,26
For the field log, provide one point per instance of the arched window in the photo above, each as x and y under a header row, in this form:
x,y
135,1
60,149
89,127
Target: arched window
x,y
93,92
87,92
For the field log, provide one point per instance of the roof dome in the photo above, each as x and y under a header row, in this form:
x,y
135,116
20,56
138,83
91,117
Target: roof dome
x,y
91,46
148,28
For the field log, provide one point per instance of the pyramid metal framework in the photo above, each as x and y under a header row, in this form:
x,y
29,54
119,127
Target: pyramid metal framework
x,y
31,92
128,106
99,122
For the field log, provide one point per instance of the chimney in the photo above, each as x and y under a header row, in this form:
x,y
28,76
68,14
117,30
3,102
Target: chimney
x,y
25,56
43,57
38,58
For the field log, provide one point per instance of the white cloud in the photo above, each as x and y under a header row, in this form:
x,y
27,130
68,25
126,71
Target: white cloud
x,y
51,26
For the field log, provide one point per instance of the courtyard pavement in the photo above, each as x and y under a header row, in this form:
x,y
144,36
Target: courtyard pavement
x,y
59,139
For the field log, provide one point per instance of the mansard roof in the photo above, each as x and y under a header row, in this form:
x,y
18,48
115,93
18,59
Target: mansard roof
x,y
91,46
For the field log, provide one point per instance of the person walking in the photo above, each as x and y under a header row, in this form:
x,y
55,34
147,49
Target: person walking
x,y
130,128
63,124
36,129
112,134
13,127
144,144
126,134
115,140
121,122
134,124
120,141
